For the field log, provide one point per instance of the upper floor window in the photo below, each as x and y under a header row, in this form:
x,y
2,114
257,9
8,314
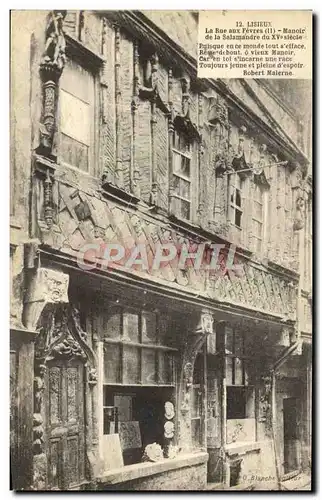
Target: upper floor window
x,y
258,216
76,102
182,154
236,210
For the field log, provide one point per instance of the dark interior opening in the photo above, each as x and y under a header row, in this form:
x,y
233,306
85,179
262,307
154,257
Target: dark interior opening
x,y
146,406
236,402
235,469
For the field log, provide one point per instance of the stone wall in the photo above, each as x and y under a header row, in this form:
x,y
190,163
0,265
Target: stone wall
x,y
184,479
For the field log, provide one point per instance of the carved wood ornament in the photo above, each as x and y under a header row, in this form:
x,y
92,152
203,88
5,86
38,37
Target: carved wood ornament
x,y
51,67
193,344
60,337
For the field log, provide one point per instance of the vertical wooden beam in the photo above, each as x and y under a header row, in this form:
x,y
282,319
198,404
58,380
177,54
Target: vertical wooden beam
x,y
118,109
25,415
154,84
205,398
134,173
200,203
170,138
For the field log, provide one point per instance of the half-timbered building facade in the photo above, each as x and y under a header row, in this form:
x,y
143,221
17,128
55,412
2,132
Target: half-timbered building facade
x,y
115,141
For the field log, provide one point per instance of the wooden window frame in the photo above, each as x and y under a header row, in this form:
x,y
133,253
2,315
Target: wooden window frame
x,y
187,156
259,221
140,345
233,206
92,63
233,355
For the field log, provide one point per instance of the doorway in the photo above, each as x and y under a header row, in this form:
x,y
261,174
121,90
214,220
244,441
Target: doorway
x,y
291,435
65,424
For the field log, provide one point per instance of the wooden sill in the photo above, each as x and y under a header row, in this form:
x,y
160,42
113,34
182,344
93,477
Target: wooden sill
x,y
242,447
145,469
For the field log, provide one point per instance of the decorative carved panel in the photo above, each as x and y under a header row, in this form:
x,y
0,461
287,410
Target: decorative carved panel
x,y
257,287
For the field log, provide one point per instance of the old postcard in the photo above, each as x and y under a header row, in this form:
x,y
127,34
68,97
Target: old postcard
x,y
161,250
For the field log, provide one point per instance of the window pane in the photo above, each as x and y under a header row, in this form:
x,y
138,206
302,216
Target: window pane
x,y
258,210
257,228
250,402
258,194
123,403
131,365
238,198
149,328
185,209
238,343
236,402
148,366
176,162
131,326
77,81
181,164
184,144
112,326
238,371
166,363
246,371
238,216
74,153
182,187
229,340
258,245
176,143
75,117
111,364
229,370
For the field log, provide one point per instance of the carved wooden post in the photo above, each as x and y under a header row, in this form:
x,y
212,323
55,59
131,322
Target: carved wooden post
x,y
154,85
185,85
192,346
200,201
48,200
118,109
108,166
170,138
47,286
135,174
51,68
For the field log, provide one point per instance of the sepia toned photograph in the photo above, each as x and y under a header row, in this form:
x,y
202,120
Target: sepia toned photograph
x,y
160,250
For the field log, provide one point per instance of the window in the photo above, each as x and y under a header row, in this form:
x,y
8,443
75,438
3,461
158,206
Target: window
x,y
240,402
181,154
236,360
135,353
139,377
258,217
236,200
240,396
76,104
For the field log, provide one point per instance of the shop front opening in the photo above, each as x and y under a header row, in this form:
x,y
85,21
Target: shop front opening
x,y
139,384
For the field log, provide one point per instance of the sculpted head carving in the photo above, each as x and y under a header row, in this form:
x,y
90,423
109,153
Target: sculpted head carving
x,y
168,410
54,53
207,323
169,429
188,373
55,285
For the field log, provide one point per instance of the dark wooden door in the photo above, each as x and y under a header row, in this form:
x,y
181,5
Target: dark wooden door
x,y
291,435
65,424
